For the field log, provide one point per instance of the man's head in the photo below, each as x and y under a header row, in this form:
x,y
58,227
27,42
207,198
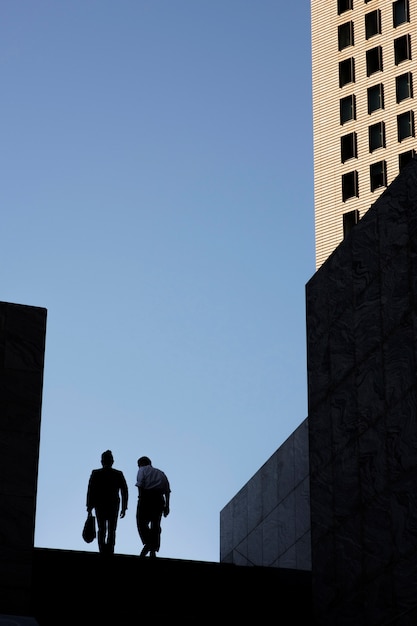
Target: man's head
x,y
107,458
144,460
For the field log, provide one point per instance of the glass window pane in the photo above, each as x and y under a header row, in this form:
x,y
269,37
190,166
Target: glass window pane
x,y
346,72
404,86
402,49
349,185
374,60
348,145
405,125
400,12
345,35
343,5
376,136
375,98
405,157
372,23
349,221
378,172
347,109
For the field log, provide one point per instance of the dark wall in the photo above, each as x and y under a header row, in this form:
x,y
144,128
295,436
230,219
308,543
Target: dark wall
x,y
22,347
83,588
362,393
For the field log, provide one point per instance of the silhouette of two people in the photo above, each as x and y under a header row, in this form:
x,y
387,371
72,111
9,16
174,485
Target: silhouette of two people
x,y
107,493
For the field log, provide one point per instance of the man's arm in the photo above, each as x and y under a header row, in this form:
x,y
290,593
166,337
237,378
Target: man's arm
x,y
90,492
125,495
167,499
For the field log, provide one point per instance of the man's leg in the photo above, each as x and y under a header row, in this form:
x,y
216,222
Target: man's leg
x,y
111,531
142,523
155,528
101,533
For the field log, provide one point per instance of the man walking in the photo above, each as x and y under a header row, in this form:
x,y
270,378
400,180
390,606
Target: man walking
x,y
105,489
153,502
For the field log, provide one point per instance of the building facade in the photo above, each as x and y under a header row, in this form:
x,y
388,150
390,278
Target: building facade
x,y
364,64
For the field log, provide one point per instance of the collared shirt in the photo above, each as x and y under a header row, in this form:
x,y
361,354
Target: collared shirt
x,y
149,477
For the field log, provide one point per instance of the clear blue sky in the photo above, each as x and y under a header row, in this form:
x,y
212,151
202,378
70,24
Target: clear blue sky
x,y
157,200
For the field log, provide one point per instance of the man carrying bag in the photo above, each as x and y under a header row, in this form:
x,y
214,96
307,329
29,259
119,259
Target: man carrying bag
x,y
107,489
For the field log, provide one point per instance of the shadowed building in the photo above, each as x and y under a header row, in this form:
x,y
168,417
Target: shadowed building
x,y
362,391
361,309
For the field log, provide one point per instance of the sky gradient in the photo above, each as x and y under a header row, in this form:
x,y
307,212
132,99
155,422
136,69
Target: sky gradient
x,y
157,200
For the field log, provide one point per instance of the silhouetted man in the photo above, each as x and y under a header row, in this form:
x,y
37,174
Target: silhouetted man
x,y
105,489
153,501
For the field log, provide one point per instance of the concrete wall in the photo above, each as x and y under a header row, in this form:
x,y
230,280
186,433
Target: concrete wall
x,y
362,390
268,521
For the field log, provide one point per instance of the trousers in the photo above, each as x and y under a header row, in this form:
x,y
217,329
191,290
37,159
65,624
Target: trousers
x,y
149,511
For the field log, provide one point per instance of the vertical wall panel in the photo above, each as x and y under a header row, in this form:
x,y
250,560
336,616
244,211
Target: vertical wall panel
x,y
22,348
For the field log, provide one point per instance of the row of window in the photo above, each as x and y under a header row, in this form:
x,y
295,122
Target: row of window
x,y
378,178
402,52
372,24
400,10
375,95
376,136
377,174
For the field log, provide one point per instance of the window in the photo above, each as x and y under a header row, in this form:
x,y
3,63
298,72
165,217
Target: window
x,y
345,35
349,185
375,98
349,220
344,5
406,157
348,147
374,60
402,49
346,72
347,109
372,23
378,172
405,125
376,134
404,86
400,12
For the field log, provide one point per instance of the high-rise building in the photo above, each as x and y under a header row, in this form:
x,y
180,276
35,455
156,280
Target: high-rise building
x,y
364,63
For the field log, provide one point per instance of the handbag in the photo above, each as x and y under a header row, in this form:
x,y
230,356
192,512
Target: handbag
x,y
89,530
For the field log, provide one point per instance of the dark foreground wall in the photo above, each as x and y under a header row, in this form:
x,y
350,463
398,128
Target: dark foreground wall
x,y
83,588
22,346
362,389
